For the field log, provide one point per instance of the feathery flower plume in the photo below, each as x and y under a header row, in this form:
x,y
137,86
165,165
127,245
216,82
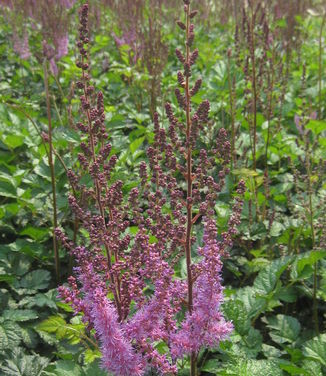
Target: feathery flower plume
x,y
126,287
50,19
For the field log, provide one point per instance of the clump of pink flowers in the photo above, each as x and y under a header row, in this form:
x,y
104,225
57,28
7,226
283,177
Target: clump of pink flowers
x,y
49,18
126,287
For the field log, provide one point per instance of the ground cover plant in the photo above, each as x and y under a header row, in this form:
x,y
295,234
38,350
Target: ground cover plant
x,y
162,187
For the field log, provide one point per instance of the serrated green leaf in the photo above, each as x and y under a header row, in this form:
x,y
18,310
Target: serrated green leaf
x,y
235,311
38,300
285,329
52,324
10,335
253,304
20,364
276,229
252,367
302,266
288,294
19,315
266,280
315,349
312,368
94,369
56,324
36,280
30,337
271,351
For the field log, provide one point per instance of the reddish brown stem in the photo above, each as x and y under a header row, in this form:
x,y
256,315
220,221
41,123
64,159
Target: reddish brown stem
x,y
51,165
254,89
115,288
193,356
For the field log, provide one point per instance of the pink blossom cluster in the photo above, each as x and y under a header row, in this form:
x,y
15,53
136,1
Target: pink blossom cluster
x,y
126,286
49,18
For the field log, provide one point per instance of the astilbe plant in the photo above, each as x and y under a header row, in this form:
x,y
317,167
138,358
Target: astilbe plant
x,y
50,19
126,287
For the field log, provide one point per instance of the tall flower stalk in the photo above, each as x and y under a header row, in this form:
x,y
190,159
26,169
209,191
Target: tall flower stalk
x,y
51,166
126,287
50,20
189,175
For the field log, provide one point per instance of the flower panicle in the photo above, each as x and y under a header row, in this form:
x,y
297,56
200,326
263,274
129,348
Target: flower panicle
x,y
114,270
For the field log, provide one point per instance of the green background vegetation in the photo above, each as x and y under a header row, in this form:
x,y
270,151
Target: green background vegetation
x,y
276,272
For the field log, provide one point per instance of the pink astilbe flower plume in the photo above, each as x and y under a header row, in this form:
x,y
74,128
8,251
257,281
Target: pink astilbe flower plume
x,y
126,287
49,19
118,355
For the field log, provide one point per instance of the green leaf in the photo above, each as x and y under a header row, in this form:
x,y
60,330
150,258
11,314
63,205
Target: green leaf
x,y
10,335
136,144
64,368
266,280
36,280
294,370
288,294
244,172
235,311
315,349
251,367
94,369
52,324
276,229
271,351
56,324
13,141
30,337
302,267
24,365
39,300
36,233
312,368
250,344
91,355
211,366
317,126
285,329
7,189
19,315
253,304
